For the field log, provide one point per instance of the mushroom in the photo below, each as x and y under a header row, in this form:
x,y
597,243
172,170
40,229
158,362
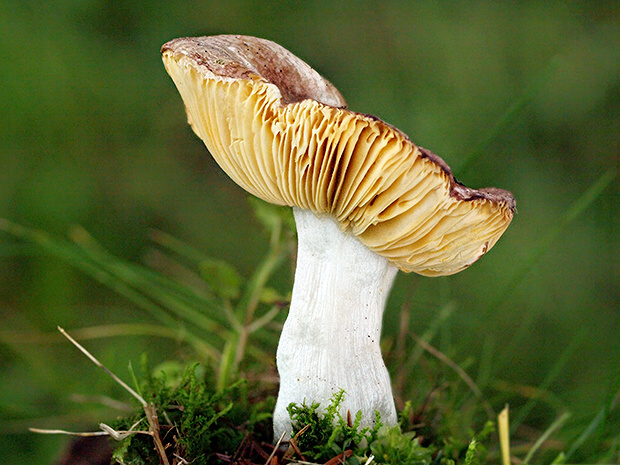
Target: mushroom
x,y
367,202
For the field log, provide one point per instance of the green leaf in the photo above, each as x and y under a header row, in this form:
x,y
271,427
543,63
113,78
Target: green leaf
x,y
221,277
272,217
270,296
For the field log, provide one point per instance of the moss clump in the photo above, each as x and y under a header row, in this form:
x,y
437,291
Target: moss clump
x,y
203,426
196,422
323,434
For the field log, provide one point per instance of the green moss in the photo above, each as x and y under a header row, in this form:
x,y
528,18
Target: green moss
x,y
196,421
321,436
203,426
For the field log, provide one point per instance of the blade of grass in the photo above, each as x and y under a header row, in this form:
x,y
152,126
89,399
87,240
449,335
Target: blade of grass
x,y
574,211
406,359
106,331
125,386
526,392
557,424
153,285
149,410
75,257
68,433
178,247
510,115
550,378
235,346
268,317
250,298
443,315
504,435
598,420
458,370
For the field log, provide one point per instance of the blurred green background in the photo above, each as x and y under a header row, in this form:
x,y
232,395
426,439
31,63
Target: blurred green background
x,y
518,95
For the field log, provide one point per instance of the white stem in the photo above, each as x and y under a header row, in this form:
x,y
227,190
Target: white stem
x,y
330,341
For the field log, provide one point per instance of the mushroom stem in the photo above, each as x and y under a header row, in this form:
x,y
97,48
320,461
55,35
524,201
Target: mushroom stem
x,y
330,340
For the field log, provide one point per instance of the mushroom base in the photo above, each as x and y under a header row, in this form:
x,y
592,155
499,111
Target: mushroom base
x,y
330,340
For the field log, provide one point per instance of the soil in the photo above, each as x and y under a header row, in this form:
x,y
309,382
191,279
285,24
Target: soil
x,y
98,451
87,451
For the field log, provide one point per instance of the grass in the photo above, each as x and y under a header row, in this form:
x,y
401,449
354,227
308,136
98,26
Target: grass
x,y
214,318
184,417
231,324
538,336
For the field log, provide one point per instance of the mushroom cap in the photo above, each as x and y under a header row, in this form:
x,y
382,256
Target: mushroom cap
x,y
282,132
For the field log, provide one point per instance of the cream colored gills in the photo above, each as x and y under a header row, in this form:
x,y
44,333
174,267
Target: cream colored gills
x,y
363,172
